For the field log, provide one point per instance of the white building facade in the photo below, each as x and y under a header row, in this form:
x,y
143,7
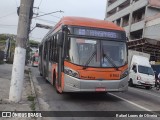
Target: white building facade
x,y
141,21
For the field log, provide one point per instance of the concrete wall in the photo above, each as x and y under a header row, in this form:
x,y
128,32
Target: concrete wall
x,y
152,11
152,29
137,26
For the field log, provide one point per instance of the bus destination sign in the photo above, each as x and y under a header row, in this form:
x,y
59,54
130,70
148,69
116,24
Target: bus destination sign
x,y
98,33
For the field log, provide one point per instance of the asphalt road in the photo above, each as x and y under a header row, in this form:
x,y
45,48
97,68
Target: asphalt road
x,y
135,99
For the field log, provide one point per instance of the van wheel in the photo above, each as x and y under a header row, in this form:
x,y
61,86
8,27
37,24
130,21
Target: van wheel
x,y
148,87
130,83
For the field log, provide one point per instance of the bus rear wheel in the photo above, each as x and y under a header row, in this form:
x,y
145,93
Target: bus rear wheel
x,y
40,74
55,83
56,86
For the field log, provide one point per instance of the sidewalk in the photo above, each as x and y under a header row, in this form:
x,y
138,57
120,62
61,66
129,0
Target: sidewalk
x,y
27,102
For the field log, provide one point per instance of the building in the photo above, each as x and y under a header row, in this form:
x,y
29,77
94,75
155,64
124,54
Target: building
x,y
141,21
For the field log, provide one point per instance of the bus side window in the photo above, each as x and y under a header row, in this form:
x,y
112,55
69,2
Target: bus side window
x,y
49,49
67,48
56,49
44,51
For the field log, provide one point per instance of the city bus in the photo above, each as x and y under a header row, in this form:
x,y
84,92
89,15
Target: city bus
x,y
85,55
34,60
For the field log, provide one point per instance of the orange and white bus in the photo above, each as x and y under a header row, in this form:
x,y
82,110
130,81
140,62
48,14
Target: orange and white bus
x,y
85,55
34,60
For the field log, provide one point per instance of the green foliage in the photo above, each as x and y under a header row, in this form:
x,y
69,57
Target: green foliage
x,y
4,37
34,42
31,98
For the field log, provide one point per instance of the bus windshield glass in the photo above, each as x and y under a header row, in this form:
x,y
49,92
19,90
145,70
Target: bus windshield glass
x,y
97,53
36,58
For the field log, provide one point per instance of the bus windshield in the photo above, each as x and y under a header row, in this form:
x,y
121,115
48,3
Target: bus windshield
x,y
97,53
35,58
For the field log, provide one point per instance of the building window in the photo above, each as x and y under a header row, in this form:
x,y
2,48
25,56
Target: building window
x,y
125,21
111,12
118,22
110,2
138,15
124,5
136,34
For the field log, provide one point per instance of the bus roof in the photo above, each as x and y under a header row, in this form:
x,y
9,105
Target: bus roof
x,y
89,22
84,22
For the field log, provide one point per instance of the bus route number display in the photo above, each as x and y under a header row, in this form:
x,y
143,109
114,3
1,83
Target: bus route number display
x,y
97,33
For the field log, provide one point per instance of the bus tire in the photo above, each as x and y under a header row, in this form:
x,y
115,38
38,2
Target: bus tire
x,y
54,78
130,83
40,73
56,86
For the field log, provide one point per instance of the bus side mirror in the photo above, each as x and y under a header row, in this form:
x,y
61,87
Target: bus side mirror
x,y
60,39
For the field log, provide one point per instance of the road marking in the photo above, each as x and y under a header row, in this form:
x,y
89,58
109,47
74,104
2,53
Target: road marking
x,y
139,106
130,102
145,92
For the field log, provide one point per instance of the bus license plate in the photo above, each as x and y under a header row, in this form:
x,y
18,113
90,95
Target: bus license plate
x,y
100,89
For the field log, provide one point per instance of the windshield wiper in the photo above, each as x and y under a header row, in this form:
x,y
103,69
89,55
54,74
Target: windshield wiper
x,y
111,61
89,60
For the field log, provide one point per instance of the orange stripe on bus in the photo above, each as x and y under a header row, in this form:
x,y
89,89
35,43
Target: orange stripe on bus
x,y
97,73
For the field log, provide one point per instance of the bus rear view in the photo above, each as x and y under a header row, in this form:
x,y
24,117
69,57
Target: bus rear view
x,y
92,57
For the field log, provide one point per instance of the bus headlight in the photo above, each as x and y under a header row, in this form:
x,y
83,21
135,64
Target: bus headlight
x,y
124,74
71,72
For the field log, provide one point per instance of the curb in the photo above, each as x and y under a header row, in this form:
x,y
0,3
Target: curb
x,y
34,93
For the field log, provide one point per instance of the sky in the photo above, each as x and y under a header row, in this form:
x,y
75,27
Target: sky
x,y
82,8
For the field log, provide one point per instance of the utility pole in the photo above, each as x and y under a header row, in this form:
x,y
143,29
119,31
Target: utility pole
x,y
25,14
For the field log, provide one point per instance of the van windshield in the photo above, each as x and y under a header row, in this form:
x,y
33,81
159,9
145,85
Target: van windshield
x,y
145,70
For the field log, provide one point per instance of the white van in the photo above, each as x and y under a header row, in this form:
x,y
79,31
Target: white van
x,y
141,72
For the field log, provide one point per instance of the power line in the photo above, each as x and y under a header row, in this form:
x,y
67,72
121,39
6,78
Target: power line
x,y
46,20
39,3
52,15
8,25
16,3
7,28
7,15
48,14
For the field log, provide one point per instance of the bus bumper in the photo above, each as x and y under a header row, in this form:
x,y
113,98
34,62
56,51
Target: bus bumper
x,y
72,84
